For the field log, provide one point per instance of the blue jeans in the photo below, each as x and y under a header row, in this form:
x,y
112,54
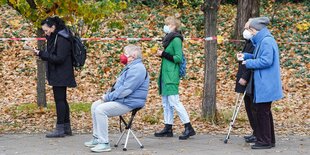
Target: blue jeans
x,y
170,103
100,111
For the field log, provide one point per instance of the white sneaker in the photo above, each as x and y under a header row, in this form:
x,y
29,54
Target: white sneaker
x,y
101,147
92,143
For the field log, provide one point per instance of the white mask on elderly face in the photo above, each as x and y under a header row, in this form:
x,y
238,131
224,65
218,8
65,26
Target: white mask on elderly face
x,y
247,34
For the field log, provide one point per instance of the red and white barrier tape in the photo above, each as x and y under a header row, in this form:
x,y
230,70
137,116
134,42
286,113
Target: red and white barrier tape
x,y
220,39
21,39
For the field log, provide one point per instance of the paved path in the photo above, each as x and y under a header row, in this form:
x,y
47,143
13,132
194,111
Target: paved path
x,y
37,144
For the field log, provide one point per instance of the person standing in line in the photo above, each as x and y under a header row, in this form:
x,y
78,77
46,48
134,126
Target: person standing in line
x,y
60,72
242,78
266,80
169,80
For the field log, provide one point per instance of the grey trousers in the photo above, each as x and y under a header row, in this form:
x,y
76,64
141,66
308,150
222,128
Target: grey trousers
x,y
100,111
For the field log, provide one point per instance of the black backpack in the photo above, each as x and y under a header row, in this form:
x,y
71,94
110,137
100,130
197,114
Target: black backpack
x,y
78,51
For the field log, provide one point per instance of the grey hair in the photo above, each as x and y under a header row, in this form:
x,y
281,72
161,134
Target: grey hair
x,y
131,49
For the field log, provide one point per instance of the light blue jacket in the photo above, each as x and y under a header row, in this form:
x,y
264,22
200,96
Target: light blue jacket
x,y
131,87
267,80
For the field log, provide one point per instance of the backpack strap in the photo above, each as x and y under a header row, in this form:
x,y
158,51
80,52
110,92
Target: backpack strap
x,y
55,41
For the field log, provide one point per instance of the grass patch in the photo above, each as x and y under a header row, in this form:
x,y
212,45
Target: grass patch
x,y
32,107
225,116
150,119
80,107
117,24
153,118
29,107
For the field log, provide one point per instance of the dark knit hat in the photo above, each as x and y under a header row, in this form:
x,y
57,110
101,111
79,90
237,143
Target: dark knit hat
x,y
259,23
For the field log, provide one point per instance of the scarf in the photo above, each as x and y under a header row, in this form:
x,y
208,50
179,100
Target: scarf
x,y
170,36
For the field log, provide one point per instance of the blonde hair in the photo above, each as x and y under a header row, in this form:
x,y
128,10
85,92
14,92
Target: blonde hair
x,y
173,21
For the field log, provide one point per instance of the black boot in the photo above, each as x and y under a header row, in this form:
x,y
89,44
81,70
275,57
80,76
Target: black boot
x,y
166,132
67,128
251,139
58,132
247,136
189,131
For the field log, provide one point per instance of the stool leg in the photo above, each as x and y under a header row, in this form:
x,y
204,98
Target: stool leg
x,y
119,139
141,146
125,149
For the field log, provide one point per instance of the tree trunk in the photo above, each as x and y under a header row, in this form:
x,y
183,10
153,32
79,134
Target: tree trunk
x,y
41,93
180,4
246,9
210,9
255,8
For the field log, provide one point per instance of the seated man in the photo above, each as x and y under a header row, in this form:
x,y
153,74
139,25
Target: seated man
x,y
129,92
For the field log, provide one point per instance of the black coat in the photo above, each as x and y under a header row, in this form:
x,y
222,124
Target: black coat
x,y
60,71
243,72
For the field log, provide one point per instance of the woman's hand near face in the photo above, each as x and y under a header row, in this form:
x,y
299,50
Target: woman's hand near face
x,y
36,52
28,47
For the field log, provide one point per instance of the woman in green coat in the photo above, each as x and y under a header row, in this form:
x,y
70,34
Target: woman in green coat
x,y
169,80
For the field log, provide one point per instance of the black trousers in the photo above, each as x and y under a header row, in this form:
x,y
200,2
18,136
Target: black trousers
x,y
251,112
265,128
62,107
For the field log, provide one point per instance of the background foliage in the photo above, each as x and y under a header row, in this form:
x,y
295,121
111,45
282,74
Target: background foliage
x,y
18,69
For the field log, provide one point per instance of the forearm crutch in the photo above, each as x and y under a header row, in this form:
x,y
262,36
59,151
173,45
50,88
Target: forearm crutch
x,y
234,116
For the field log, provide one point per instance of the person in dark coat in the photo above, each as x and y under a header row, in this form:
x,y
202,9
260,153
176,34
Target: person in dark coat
x,y
60,72
242,78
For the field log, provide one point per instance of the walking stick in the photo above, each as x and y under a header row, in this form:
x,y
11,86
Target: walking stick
x,y
234,116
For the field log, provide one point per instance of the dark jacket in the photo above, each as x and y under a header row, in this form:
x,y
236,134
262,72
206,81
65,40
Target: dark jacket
x,y
243,72
59,61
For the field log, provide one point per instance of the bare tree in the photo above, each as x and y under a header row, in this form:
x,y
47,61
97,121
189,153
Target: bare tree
x,y
246,9
41,92
210,9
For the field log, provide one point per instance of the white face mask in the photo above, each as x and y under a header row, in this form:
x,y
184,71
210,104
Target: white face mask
x,y
247,34
166,29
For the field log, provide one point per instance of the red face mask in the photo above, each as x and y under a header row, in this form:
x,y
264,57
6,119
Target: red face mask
x,y
123,59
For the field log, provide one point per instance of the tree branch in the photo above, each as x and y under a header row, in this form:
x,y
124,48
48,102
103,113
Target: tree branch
x,y
32,4
11,5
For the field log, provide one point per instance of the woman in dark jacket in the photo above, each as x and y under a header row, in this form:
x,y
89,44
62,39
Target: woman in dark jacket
x,y
242,78
60,73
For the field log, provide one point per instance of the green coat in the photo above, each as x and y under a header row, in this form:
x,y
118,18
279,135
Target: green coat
x,y
169,77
